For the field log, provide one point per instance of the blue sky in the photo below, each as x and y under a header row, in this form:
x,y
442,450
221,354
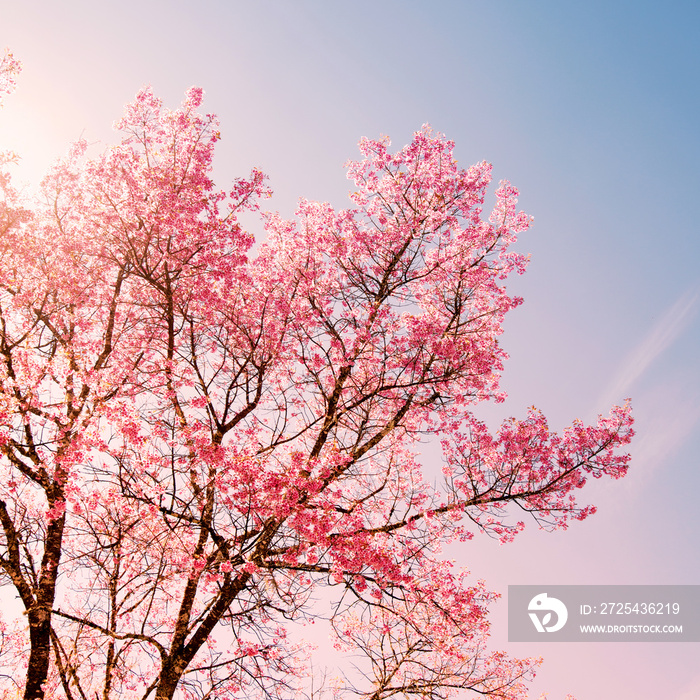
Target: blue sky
x,y
590,109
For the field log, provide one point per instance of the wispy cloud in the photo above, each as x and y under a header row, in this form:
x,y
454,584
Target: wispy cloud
x,y
690,691
667,411
662,335
668,416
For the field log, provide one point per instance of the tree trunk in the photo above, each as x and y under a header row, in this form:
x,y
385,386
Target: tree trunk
x,y
39,614
40,653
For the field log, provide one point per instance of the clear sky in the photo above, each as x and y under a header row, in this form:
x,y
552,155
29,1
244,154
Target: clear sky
x,y
589,108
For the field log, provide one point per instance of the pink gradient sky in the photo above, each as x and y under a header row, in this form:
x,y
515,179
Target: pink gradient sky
x,y
590,109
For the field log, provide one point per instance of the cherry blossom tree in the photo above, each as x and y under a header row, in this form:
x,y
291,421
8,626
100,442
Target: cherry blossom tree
x,y
197,440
